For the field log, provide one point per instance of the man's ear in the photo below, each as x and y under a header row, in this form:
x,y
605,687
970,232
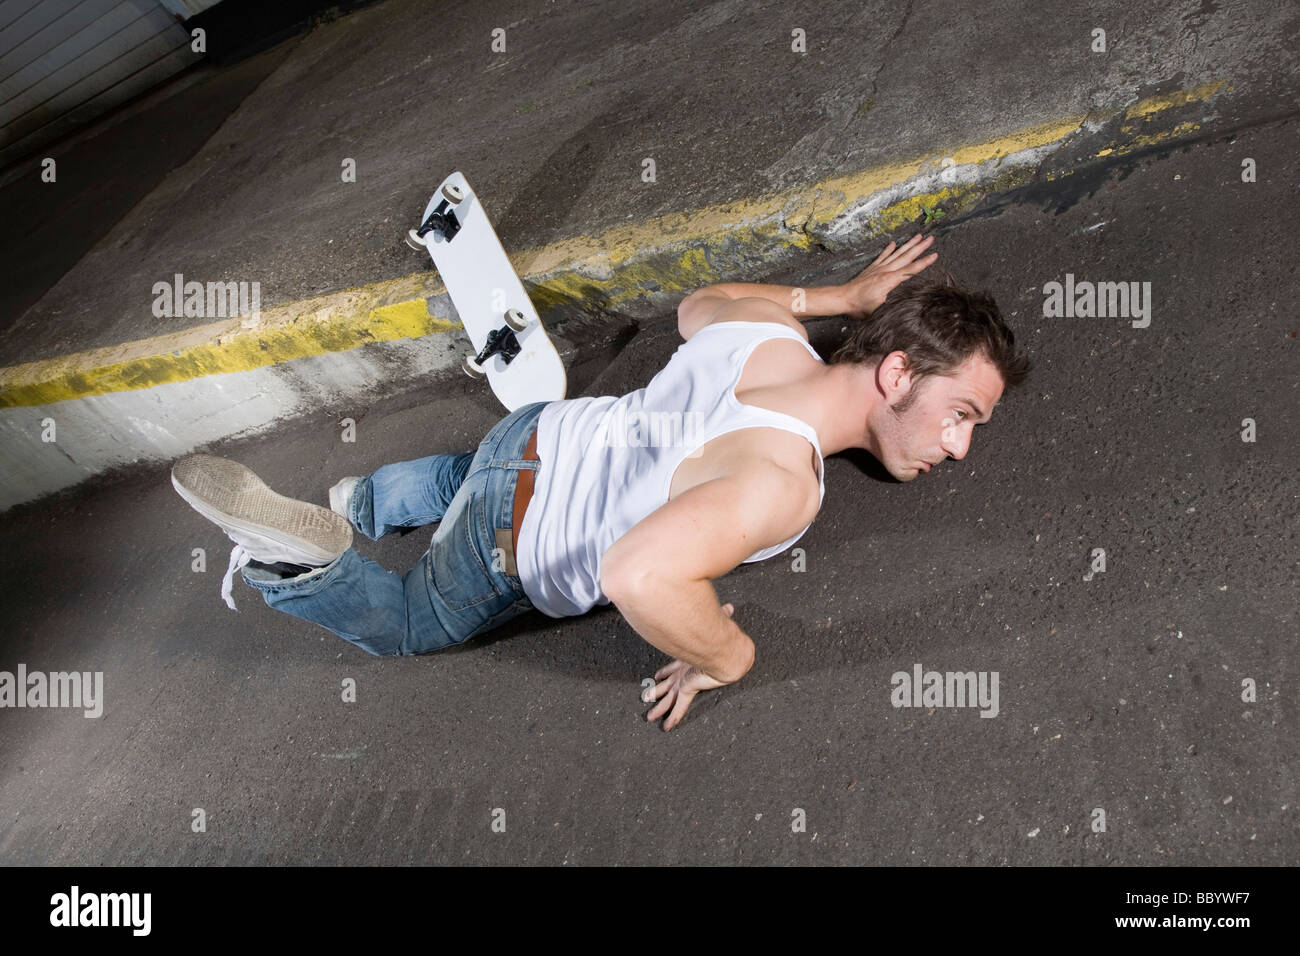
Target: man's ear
x,y
892,376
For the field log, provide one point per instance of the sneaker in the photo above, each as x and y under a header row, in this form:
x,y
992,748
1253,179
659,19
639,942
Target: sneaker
x,y
266,527
341,495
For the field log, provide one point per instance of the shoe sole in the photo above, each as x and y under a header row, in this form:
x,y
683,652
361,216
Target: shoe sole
x,y
230,494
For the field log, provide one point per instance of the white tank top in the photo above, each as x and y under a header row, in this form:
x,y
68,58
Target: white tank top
x,y
608,462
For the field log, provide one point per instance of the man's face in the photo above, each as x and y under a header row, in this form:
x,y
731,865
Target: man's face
x,y
939,421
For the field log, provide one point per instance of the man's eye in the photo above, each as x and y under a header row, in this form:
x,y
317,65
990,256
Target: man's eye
x,y
961,413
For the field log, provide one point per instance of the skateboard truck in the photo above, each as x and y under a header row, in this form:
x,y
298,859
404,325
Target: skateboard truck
x,y
441,219
502,340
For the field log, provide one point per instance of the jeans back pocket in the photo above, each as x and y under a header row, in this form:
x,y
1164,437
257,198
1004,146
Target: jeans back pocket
x,y
460,577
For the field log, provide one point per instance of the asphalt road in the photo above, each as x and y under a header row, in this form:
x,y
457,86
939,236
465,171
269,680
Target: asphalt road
x,y
1123,692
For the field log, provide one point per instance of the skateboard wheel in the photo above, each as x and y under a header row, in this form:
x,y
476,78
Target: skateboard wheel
x,y
452,193
517,320
472,368
414,240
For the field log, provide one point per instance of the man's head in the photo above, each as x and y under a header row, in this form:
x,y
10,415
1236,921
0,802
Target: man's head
x,y
941,356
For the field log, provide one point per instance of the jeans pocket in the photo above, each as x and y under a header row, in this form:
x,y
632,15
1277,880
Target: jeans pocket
x,y
459,576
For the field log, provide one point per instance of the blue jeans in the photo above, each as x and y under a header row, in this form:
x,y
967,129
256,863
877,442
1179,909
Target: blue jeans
x,y
467,581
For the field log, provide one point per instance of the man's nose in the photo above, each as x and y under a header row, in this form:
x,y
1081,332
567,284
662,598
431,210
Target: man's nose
x,y
956,442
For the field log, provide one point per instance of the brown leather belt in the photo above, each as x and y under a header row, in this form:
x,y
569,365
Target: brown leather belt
x,y
523,491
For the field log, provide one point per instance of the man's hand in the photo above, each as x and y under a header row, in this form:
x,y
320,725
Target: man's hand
x,y
678,683
866,293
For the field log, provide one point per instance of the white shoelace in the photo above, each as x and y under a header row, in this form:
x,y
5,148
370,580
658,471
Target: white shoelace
x,y
238,558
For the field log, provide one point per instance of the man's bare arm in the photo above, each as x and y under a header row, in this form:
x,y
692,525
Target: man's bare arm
x,y
857,298
706,305
659,573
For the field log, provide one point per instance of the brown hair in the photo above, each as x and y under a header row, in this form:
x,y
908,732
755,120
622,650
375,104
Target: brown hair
x,y
939,325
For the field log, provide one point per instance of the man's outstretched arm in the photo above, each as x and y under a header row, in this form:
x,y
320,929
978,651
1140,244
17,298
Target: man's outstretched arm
x,y
659,574
857,298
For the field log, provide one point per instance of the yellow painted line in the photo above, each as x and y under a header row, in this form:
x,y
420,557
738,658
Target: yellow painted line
x,y
335,322
1150,139
1144,109
669,253
621,264
811,205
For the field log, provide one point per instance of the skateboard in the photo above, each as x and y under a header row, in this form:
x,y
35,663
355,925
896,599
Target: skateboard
x,y
511,347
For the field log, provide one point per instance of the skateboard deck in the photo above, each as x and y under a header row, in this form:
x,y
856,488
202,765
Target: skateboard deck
x,y
511,347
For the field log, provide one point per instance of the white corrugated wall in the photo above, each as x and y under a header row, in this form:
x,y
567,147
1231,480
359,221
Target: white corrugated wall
x,y
63,63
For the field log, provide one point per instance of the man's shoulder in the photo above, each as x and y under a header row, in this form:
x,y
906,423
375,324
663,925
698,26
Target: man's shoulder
x,y
757,312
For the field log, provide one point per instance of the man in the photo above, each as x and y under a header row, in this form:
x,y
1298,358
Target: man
x,y
563,508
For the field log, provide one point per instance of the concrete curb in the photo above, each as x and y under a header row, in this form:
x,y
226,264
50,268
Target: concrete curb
x,y
74,416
